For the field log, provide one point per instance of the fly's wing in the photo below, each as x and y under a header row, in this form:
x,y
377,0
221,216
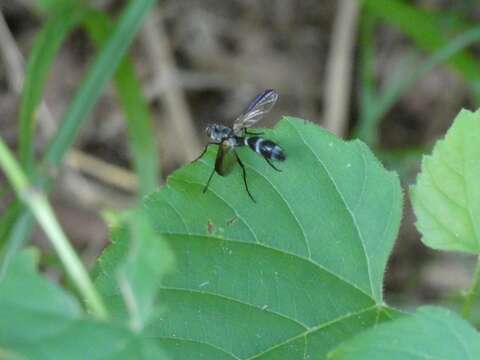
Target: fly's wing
x,y
225,160
258,107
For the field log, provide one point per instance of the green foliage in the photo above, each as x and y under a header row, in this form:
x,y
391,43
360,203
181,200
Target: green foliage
x,y
375,103
39,64
446,198
54,5
430,333
296,275
13,225
40,321
17,228
101,71
142,259
64,15
304,265
427,33
140,131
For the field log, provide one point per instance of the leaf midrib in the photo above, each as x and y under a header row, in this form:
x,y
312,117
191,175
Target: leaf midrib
x,y
307,332
467,197
315,328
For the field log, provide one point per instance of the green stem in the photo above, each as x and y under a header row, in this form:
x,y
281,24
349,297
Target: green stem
x,y
471,294
42,210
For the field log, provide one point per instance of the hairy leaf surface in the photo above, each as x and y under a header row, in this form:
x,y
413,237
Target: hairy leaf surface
x,y
446,198
41,321
294,273
430,333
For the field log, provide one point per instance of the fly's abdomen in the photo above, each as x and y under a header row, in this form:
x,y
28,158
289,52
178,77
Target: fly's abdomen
x,y
268,149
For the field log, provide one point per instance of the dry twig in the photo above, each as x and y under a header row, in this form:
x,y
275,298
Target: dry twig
x,y
161,60
339,67
110,174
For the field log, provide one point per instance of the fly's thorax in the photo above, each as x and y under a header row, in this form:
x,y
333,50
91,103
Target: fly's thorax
x,y
218,133
234,141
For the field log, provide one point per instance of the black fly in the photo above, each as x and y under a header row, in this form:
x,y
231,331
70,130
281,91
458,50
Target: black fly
x,y
228,139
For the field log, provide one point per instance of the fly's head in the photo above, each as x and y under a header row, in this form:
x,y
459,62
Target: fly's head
x,y
218,133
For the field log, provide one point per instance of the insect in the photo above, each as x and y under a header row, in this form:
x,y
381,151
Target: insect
x,y
228,139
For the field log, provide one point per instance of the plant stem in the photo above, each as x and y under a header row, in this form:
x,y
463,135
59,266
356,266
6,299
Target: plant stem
x,y
42,210
471,294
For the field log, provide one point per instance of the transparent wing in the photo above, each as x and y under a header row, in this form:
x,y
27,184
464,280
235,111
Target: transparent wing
x,y
258,107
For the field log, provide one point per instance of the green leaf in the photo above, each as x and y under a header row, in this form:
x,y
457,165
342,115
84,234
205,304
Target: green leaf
x,y
446,198
294,273
41,321
431,333
145,259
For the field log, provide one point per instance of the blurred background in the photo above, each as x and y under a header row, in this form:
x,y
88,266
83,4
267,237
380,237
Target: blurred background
x,y
391,72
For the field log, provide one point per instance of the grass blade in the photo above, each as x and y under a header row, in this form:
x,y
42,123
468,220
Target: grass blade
x,y
138,117
44,50
375,104
100,72
426,33
38,204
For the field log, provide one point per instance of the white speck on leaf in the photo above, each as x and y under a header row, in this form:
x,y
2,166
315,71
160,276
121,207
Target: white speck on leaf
x,y
203,284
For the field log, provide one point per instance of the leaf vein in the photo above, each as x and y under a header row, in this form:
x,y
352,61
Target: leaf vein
x,y
282,251
436,220
225,202
195,342
313,329
305,238
229,298
349,210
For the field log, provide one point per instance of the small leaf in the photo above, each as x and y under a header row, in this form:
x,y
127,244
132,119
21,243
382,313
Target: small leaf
x,y
146,260
41,321
446,198
295,273
430,333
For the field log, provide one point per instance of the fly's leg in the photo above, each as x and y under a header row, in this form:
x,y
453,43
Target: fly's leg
x,y
244,173
213,171
208,181
204,151
273,166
